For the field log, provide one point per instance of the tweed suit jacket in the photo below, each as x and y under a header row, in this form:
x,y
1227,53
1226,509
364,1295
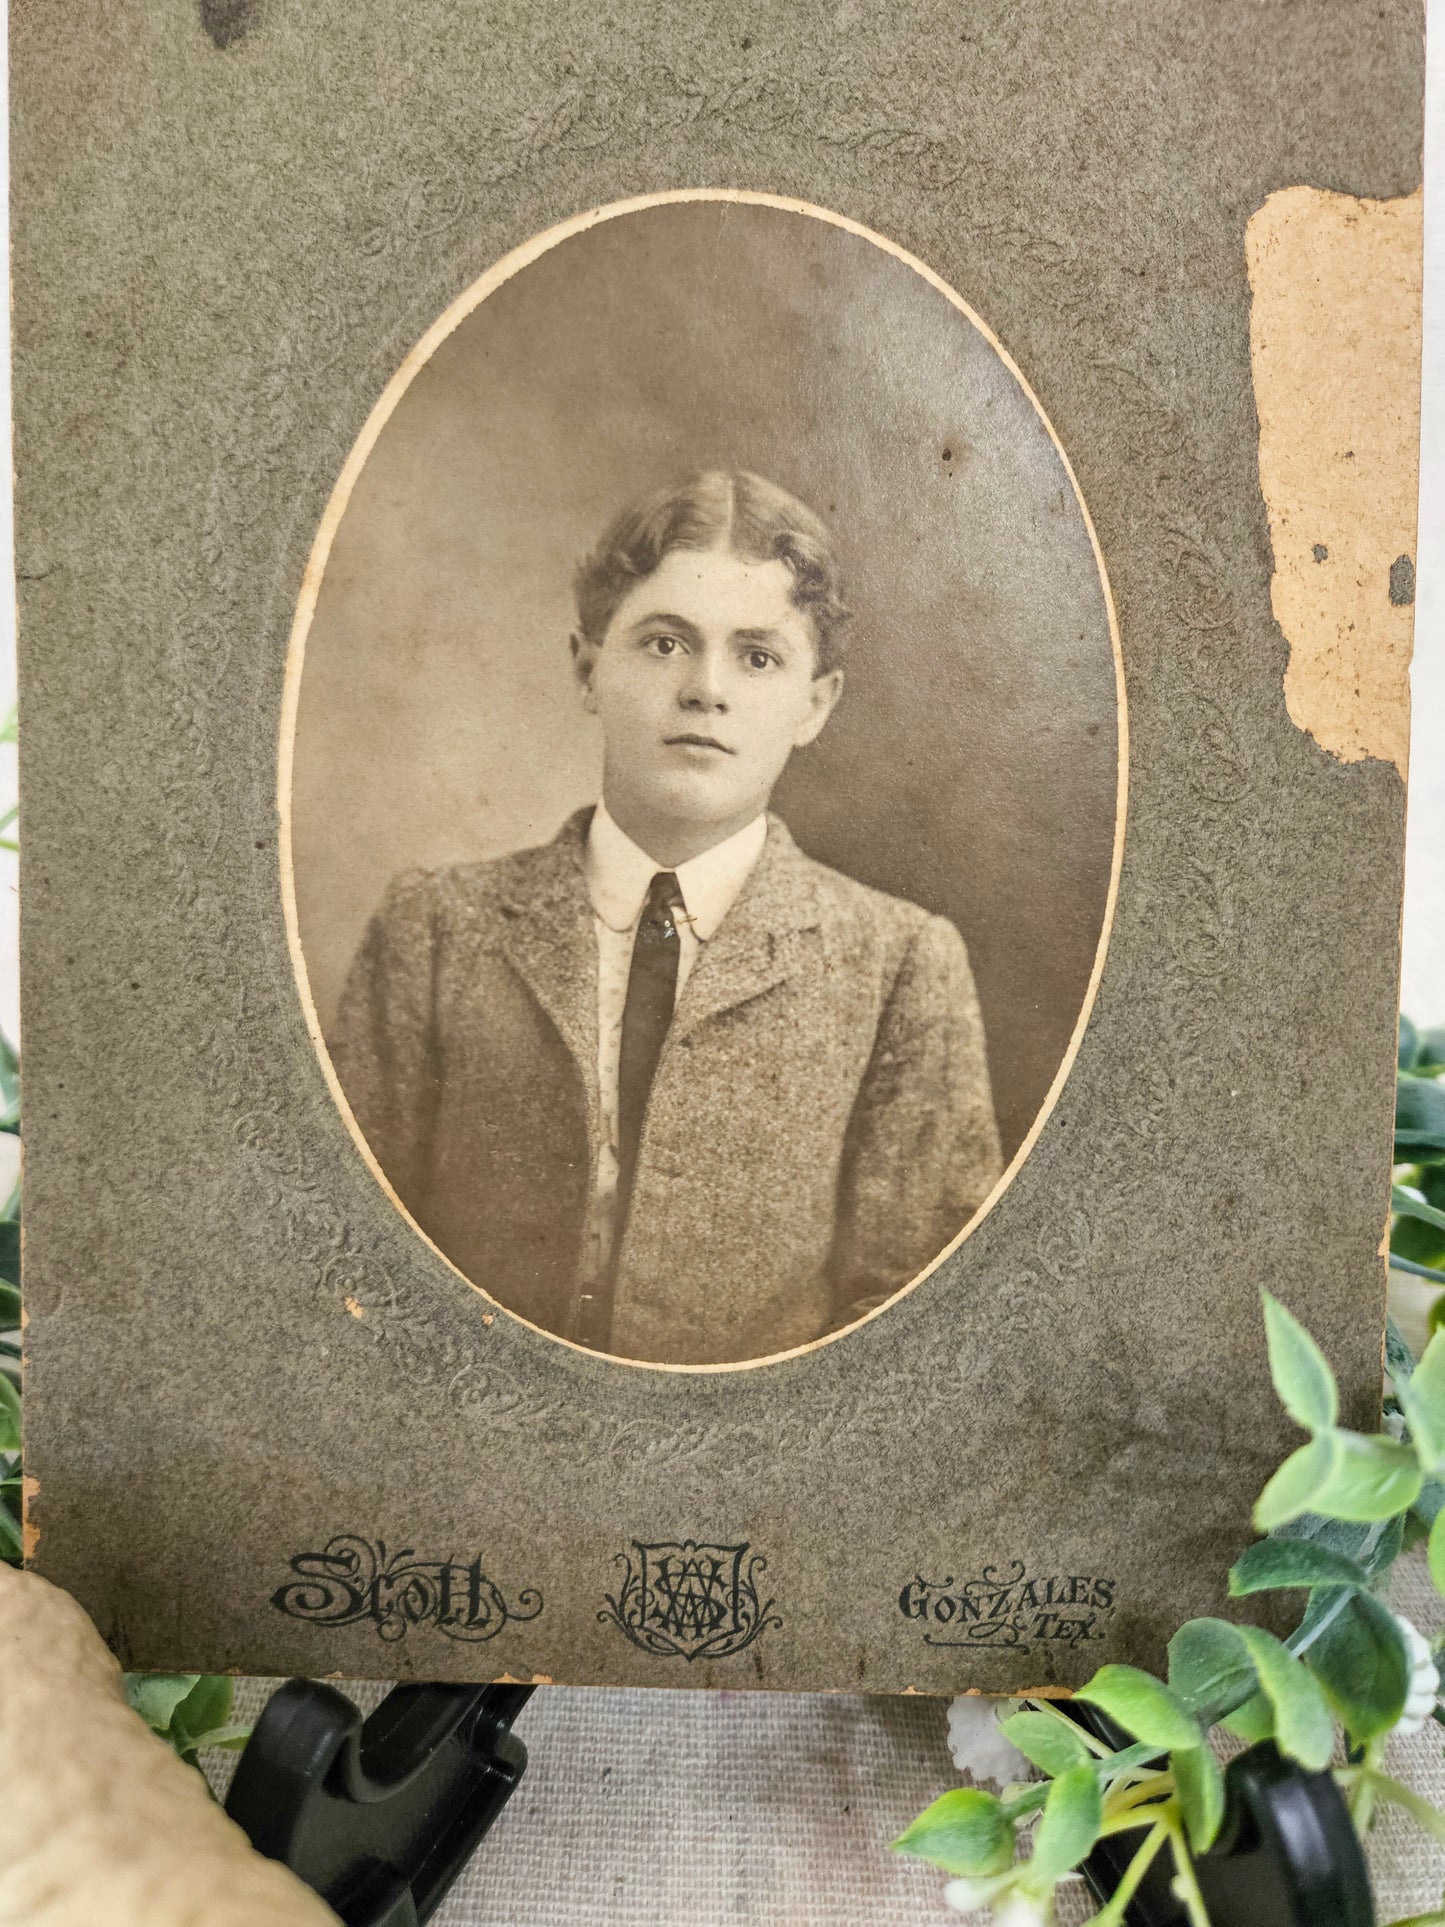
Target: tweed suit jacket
x,y
820,1124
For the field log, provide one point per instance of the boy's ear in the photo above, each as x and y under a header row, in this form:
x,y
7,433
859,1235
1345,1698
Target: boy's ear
x,y
824,692
584,657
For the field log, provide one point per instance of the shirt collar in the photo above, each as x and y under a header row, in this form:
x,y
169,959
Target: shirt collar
x,y
619,873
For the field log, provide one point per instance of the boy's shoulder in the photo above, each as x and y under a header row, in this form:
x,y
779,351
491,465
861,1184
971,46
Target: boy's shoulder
x,y
482,895
475,891
854,915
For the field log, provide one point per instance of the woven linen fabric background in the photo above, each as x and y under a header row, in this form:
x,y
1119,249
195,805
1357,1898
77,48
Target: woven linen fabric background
x,y
776,1809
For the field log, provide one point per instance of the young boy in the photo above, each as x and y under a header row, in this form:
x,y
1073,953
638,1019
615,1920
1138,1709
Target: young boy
x,y
665,1086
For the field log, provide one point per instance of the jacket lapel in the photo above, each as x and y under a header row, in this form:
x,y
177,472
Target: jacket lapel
x,y
548,937
771,933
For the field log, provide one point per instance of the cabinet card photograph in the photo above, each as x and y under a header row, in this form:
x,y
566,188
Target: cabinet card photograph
x,y
702,775
637,1071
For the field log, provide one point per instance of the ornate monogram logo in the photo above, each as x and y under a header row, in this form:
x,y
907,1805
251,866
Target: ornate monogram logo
x,y
1009,1607
354,1580
681,1599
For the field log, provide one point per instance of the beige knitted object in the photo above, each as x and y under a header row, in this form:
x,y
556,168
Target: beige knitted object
x,y
100,1822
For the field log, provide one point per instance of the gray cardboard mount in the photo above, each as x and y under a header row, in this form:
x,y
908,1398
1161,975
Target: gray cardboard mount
x,y
231,223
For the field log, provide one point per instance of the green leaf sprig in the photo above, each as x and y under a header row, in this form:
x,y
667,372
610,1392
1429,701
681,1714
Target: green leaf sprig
x,y
1417,1196
1336,1515
190,1711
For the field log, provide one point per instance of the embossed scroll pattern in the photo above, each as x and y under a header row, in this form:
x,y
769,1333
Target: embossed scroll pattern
x,y
605,110
1195,916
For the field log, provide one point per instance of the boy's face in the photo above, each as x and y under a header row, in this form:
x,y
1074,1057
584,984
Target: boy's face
x,y
705,685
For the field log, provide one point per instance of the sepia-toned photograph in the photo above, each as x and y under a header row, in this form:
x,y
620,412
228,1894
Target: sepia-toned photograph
x,y
705,776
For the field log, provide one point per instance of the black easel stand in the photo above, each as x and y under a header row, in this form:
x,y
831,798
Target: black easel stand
x,y
1287,1854
381,1816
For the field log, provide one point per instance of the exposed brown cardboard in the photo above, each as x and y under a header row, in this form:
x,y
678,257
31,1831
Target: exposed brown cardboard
x,y
1335,346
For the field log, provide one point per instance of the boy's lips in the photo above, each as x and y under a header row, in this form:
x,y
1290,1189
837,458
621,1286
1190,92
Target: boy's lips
x,y
700,742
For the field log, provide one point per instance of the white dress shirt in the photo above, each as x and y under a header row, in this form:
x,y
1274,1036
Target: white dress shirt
x,y
619,875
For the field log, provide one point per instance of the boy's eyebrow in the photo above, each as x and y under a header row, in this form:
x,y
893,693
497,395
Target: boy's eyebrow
x,y
664,615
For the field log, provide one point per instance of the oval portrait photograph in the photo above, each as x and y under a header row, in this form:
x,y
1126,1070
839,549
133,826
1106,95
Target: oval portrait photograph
x,y
701,778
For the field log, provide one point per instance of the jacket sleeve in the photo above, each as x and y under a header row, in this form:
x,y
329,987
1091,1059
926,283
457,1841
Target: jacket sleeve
x,y
383,1043
922,1151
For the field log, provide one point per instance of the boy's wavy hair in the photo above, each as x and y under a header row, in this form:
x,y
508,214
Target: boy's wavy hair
x,y
717,509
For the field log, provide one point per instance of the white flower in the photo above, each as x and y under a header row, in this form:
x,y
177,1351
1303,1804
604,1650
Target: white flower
x,y
1023,1909
1017,1904
969,1894
975,1743
1424,1687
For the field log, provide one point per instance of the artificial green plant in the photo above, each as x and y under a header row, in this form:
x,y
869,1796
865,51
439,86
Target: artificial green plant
x,y
1335,1516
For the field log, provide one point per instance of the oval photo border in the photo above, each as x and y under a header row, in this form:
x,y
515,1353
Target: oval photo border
x,y
336,506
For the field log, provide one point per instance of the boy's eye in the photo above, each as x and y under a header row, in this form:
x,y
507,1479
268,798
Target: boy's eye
x,y
760,659
663,645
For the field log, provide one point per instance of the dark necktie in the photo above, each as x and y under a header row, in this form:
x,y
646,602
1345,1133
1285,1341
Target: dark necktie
x,y
651,994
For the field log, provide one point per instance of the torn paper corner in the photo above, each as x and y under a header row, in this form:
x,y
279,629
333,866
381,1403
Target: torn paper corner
x,y
1334,338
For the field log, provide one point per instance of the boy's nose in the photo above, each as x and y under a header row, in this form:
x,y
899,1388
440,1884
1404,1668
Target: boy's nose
x,y
702,688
